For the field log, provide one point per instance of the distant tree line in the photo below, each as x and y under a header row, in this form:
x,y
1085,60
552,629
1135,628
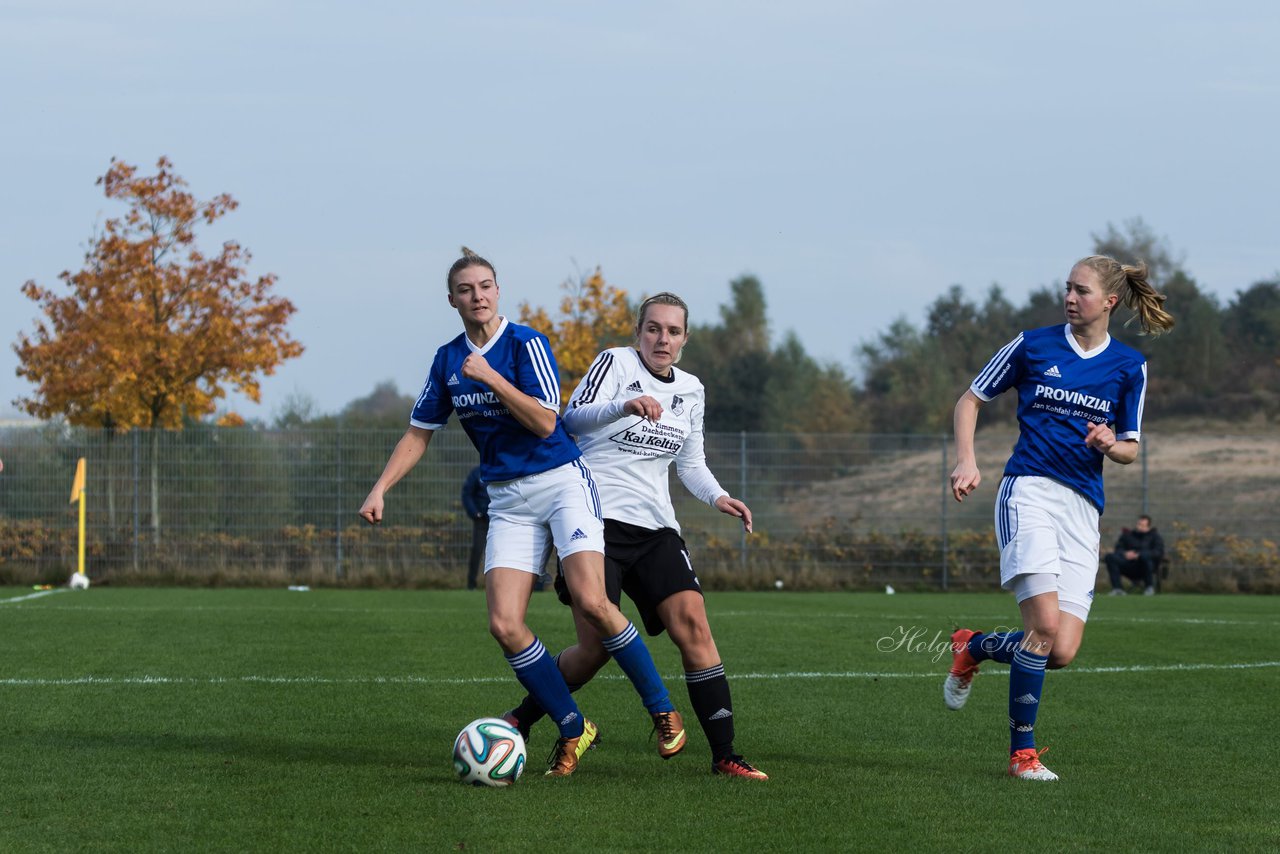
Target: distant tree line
x,y
152,332
1220,361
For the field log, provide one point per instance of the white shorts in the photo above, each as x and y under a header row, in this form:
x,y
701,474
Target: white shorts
x,y
527,515
1043,527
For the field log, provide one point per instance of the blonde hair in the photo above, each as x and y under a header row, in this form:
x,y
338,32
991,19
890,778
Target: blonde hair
x,y
468,259
1129,282
663,298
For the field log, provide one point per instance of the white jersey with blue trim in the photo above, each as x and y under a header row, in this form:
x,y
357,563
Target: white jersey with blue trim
x,y
1062,388
629,455
508,450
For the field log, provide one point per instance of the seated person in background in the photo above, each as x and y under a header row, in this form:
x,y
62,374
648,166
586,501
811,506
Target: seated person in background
x,y
1137,556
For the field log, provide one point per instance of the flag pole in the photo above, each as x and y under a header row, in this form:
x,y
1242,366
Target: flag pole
x,y
77,494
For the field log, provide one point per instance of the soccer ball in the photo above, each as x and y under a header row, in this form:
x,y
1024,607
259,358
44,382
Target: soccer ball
x,y
489,752
79,581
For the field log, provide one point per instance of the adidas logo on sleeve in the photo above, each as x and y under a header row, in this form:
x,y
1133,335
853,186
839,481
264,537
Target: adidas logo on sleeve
x,y
453,380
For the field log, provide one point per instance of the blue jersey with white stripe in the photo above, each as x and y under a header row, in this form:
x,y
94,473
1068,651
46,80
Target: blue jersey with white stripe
x,y
1061,389
508,450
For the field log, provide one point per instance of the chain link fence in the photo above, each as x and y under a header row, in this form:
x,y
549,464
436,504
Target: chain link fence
x,y
243,506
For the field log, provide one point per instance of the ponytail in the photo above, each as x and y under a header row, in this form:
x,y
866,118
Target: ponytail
x,y
1129,282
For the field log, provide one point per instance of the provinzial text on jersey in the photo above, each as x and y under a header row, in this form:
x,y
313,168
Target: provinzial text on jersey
x,y
476,398
1078,398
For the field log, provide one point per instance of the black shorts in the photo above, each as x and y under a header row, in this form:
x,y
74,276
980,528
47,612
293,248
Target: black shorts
x,y
645,564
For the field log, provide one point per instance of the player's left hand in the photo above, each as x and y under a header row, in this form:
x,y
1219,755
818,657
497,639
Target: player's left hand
x,y
734,507
1101,437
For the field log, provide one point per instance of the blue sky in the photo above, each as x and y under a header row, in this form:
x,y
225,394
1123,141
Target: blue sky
x,y
859,157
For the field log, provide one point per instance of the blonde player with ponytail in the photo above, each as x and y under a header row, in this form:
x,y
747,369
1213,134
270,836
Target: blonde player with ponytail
x,y
1081,395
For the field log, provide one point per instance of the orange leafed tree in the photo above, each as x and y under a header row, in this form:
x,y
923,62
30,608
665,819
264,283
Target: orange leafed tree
x,y
153,330
594,315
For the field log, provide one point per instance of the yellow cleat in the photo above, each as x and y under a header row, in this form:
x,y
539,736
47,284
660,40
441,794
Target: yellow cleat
x,y
567,751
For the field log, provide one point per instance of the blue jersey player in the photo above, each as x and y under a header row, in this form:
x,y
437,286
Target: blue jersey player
x,y
500,380
1080,399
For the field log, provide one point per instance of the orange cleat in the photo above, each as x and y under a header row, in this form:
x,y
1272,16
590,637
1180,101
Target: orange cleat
x,y
670,729
1025,765
736,766
955,690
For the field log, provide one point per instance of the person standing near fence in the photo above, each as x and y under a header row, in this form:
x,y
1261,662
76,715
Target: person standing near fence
x,y
475,501
1080,399
501,381
634,413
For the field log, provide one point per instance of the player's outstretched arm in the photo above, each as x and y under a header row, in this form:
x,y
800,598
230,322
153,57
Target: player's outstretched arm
x,y
965,477
410,448
735,508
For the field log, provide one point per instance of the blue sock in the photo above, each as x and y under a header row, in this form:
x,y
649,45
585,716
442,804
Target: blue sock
x,y
995,647
1026,681
633,657
539,675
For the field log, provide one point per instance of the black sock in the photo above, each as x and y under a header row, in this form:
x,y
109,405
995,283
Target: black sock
x,y
529,712
709,694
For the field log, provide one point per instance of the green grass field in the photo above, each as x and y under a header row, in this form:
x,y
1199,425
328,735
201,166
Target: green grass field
x,y
239,720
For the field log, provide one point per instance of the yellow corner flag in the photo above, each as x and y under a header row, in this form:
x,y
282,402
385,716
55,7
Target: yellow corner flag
x,y
77,486
77,494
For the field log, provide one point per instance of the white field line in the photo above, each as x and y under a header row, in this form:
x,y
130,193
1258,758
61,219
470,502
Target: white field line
x,y
998,619
30,596
969,619
110,681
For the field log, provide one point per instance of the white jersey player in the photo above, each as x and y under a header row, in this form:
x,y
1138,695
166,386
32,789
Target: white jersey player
x,y
500,380
634,413
631,453
1080,399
